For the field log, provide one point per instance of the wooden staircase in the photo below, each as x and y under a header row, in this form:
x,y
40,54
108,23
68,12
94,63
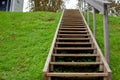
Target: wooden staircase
x,y
74,54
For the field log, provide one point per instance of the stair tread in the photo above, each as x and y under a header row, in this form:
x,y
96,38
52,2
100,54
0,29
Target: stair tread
x,y
74,43
73,24
56,74
73,38
76,55
76,63
73,34
70,22
75,31
74,28
74,48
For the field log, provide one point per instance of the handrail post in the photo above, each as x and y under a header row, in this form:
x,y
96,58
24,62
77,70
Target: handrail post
x,y
81,5
84,7
7,7
106,34
88,16
85,10
94,22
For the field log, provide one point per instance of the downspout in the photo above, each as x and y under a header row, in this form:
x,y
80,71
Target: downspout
x,y
7,7
12,5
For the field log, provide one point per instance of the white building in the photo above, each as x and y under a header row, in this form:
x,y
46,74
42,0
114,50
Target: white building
x,y
11,5
17,5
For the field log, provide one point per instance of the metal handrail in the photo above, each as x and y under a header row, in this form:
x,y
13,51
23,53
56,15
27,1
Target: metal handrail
x,y
102,6
98,48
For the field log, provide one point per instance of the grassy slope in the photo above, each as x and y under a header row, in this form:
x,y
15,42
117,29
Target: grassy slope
x,y
25,39
114,32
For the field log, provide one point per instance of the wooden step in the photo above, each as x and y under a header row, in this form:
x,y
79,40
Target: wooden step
x,y
73,28
72,21
73,18
76,63
77,74
64,18
73,32
74,48
73,38
75,55
74,43
77,35
73,24
68,19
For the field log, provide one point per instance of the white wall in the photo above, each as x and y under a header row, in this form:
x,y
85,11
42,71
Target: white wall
x,y
17,5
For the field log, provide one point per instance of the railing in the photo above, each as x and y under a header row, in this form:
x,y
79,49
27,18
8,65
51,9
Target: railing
x,y
46,67
106,68
101,6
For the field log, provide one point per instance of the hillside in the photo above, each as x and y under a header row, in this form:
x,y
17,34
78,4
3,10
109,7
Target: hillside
x,y
25,39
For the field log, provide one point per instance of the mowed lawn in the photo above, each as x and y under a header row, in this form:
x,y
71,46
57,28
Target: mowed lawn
x,y
114,36
25,39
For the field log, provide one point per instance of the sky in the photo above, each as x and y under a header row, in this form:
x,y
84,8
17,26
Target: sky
x,y
25,6
71,4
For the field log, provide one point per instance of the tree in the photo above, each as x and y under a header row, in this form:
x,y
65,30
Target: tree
x,y
46,5
114,8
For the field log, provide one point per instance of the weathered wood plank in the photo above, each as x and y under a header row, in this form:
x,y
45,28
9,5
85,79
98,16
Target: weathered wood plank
x,y
77,74
73,38
76,63
74,43
73,34
73,31
76,55
73,48
73,28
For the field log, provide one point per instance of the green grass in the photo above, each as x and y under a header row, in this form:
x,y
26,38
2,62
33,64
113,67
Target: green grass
x,y
25,39
114,34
